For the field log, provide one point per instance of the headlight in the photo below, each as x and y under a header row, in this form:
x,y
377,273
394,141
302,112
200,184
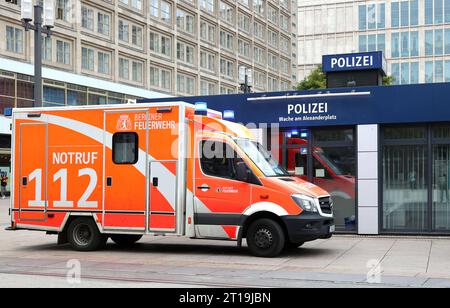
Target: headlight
x,y
306,203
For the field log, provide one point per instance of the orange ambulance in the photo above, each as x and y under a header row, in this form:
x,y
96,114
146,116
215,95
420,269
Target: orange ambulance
x,y
91,173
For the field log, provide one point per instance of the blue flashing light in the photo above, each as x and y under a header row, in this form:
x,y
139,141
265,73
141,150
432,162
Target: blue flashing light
x,y
201,108
228,114
294,133
7,112
304,151
304,133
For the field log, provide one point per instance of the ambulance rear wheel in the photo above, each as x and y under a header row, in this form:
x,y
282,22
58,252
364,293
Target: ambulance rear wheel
x,y
125,240
265,238
83,235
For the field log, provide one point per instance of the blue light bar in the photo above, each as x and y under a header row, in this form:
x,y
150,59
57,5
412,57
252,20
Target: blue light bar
x,y
228,114
304,133
294,133
7,112
201,108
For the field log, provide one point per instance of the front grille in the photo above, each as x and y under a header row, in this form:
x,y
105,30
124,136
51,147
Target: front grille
x,y
326,205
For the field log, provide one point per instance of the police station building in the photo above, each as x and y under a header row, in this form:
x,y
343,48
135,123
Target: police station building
x,y
382,152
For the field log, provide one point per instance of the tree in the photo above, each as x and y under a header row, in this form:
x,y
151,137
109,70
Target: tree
x,y
388,80
315,80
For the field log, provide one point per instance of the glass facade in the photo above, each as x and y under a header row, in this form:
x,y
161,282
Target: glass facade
x,y
327,158
16,90
416,178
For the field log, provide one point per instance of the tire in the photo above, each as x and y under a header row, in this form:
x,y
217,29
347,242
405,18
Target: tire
x,y
293,245
83,235
265,238
125,240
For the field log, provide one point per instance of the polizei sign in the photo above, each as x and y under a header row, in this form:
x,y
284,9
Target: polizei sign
x,y
307,112
352,62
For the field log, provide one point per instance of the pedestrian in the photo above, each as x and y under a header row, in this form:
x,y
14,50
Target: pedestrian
x,y
4,182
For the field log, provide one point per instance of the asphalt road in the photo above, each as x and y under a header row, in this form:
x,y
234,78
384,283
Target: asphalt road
x,y
32,259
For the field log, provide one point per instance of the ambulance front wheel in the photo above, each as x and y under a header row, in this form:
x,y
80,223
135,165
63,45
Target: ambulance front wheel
x,y
265,238
125,240
83,235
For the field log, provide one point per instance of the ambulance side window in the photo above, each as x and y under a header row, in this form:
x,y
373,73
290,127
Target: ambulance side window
x,y
125,148
218,159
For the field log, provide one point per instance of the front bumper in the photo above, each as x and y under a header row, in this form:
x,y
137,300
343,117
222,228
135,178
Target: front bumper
x,y
308,227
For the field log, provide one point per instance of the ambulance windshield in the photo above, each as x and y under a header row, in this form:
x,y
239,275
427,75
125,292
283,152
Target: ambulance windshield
x,y
261,158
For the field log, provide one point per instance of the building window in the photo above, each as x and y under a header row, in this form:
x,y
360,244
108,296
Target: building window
x,y
124,68
62,10
244,23
259,30
429,71
160,78
47,48
272,61
124,31
161,10
207,88
226,40
208,32
103,23
226,12
259,6
87,59
438,42
429,12
208,5
272,14
284,22
185,21
14,40
136,4
429,42
137,72
207,61
259,55
136,38
104,63
87,18
273,38
372,16
185,84
227,68
244,48
185,53
160,44
63,52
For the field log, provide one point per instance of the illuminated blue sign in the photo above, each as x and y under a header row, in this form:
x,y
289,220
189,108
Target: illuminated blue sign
x,y
354,61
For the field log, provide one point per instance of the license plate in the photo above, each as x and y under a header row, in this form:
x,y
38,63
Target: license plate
x,y
332,229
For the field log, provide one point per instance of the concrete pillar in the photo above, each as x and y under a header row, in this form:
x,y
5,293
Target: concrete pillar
x,y
367,179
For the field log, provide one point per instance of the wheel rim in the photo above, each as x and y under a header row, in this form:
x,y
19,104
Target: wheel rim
x,y
263,238
82,235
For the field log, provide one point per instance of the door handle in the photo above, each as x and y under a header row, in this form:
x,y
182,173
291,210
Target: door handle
x,y
24,181
204,187
155,182
108,181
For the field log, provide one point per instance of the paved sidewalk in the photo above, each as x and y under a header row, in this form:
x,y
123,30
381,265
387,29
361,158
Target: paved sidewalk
x,y
340,261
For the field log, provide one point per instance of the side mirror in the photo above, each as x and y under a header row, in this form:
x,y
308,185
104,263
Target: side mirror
x,y
242,172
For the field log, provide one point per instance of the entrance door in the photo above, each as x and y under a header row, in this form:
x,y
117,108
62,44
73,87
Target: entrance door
x,y
327,158
33,172
163,196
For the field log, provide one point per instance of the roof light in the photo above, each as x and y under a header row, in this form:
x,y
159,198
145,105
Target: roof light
x,y
201,108
228,114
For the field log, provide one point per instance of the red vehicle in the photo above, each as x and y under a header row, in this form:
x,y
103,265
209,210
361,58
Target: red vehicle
x,y
326,174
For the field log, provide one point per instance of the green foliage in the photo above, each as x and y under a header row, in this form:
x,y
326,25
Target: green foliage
x,y
315,80
388,80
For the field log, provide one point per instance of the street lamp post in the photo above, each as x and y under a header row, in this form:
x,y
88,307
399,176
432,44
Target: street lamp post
x,y
39,27
245,79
